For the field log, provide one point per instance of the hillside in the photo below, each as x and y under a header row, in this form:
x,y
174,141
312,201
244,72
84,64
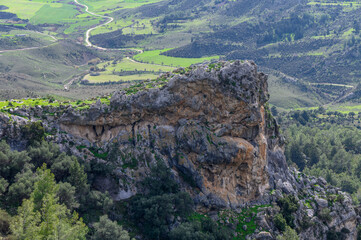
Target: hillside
x,y
309,48
312,42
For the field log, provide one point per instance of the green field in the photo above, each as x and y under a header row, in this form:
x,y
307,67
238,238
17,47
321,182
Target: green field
x,y
127,64
353,107
73,20
154,57
107,5
54,13
142,26
81,25
114,78
345,109
64,13
150,71
24,8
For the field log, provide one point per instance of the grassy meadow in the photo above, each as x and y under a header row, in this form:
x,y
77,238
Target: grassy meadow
x,y
105,78
127,64
110,5
136,71
49,101
154,57
151,65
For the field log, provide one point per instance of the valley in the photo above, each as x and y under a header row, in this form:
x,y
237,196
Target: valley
x,y
158,32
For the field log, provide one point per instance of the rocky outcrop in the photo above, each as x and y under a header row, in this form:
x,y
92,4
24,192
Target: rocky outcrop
x,y
211,124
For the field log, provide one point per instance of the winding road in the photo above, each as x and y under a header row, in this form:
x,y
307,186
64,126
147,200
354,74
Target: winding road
x,y
87,35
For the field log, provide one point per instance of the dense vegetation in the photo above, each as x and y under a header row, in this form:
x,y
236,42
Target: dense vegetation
x,y
327,145
46,189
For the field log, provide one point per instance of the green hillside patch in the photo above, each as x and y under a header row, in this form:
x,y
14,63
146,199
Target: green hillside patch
x,y
353,107
127,64
17,7
347,34
125,70
82,23
106,78
53,13
142,26
117,24
33,34
154,57
5,106
105,5
290,95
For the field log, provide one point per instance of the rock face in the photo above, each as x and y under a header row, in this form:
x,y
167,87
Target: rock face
x,y
212,126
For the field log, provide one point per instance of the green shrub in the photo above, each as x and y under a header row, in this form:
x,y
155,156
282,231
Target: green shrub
x,y
280,222
3,185
325,215
33,132
289,234
306,222
202,229
160,180
333,235
106,229
288,206
5,220
153,211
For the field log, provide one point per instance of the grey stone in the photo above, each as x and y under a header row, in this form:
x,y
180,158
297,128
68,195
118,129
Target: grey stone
x,y
287,188
264,236
322,203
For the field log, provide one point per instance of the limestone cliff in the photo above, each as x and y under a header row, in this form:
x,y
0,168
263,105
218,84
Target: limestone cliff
x,y
208,124
211,124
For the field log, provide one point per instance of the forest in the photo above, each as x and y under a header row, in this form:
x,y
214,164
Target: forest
x,y
326,144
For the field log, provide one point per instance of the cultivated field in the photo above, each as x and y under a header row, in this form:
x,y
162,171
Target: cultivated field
x,y
154,57
128,64
126,70
105,78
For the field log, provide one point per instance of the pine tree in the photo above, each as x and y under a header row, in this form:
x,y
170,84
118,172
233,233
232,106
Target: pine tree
x,y
42,217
